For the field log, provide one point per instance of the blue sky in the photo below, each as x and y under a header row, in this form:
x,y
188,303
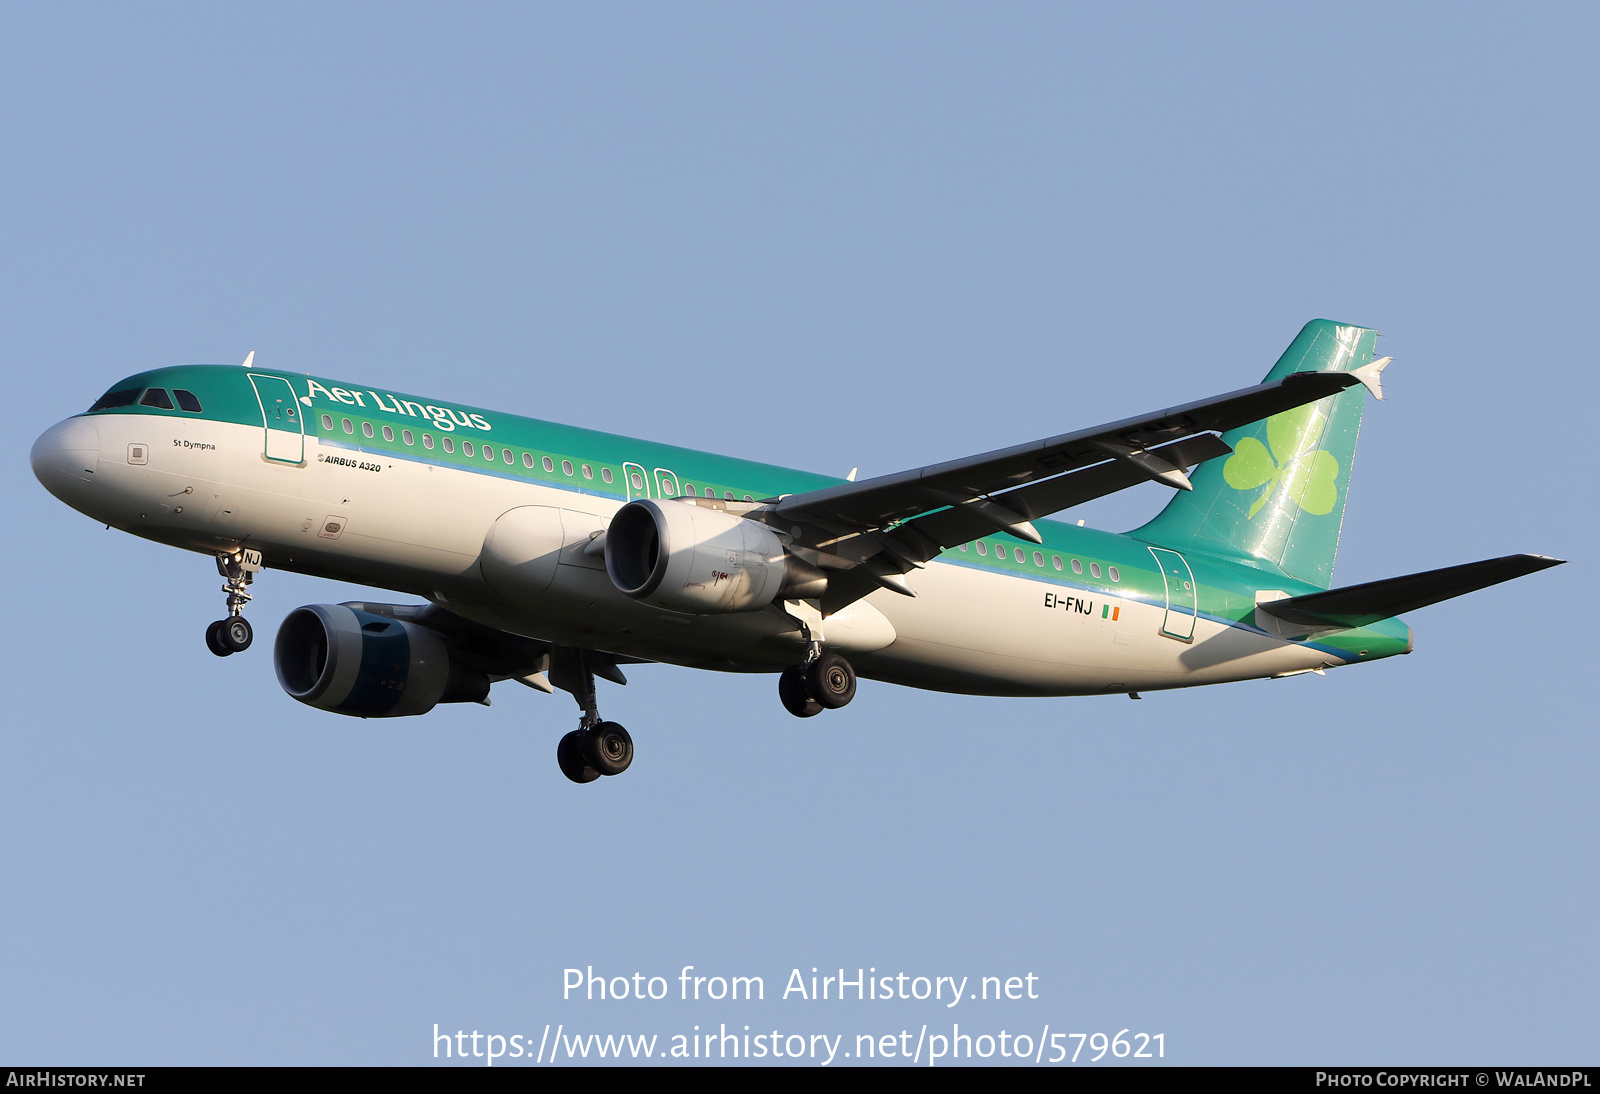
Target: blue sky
x,y
824,236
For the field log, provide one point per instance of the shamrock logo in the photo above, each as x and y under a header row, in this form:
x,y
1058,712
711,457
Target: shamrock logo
x,y
1309,474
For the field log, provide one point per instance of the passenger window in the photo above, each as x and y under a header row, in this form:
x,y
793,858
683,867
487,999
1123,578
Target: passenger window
x,y
366,430
348,427
327,422
637,480
1077,567
1055,560
963,547
747,497
727,495
605,474
427,440
1094,568
710,493
507,455
527,460
1038,558
113,399
158,398
186,400
1114,575
982,550
588,472
548,464
388,434
566,467
407,436
466,447
689,490
449,445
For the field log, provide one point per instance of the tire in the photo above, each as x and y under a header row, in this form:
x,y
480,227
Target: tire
x,y
831,681
235,634
796,699
609,749
571,759
214,639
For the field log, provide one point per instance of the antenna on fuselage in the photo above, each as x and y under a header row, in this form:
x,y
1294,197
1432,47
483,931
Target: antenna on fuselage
x,y
249,359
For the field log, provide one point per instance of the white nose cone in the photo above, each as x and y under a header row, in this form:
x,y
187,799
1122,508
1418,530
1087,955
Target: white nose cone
x,y
64,460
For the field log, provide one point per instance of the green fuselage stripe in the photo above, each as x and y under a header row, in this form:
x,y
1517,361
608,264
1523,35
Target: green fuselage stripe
x,y
1225,590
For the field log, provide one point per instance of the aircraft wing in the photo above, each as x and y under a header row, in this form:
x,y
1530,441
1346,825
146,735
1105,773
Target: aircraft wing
x,y
880,528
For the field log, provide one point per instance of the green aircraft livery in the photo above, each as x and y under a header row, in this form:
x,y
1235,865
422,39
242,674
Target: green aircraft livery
x,y
552,556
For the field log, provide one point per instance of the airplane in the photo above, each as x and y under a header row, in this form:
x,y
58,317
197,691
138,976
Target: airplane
x,y
552,556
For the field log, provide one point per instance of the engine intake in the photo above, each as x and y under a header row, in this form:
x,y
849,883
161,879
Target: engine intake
x,y
688,558
335,657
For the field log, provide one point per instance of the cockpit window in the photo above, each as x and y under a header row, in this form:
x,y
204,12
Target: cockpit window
x,y
115,398
186,400
158,398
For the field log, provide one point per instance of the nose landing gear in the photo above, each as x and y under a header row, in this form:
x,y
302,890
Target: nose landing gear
x,y
233,634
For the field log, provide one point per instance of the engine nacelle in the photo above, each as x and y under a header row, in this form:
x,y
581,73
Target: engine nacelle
x,y
688,558
335,657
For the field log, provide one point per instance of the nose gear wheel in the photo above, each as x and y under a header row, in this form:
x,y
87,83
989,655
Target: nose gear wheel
x,y
234,634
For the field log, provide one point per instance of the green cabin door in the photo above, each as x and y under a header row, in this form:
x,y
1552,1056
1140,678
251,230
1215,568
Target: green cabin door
x,y
281,418
1179,621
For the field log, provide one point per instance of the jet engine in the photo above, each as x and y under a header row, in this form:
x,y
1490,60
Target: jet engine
x,y
698,560
339,658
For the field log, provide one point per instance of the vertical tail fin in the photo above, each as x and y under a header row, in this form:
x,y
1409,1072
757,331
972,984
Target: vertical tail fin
x,y
1278,501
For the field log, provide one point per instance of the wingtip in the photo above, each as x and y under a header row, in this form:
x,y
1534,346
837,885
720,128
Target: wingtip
x,y
1370,375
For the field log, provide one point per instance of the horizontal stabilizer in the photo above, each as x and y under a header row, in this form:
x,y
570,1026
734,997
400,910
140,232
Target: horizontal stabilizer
x,y
1359,605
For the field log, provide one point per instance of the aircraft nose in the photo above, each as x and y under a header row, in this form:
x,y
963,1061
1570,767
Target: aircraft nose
x,y
64,459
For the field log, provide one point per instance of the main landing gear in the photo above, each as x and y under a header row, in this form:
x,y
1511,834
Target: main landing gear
x,y
826,682
233,634
596,747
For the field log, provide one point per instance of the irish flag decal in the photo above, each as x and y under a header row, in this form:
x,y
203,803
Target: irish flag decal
x,y
1108,612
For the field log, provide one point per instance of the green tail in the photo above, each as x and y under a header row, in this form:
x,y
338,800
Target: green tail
x,y
1278,501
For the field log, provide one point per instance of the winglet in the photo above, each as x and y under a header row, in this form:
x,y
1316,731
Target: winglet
x,y
249,360
1368,374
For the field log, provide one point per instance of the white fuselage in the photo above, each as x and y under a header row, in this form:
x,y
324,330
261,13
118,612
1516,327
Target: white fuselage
x,y
421,528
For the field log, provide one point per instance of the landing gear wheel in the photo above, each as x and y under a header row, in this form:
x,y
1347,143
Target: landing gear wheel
x,y
831,681
610,749
235,634
571,758
214,638
792,691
